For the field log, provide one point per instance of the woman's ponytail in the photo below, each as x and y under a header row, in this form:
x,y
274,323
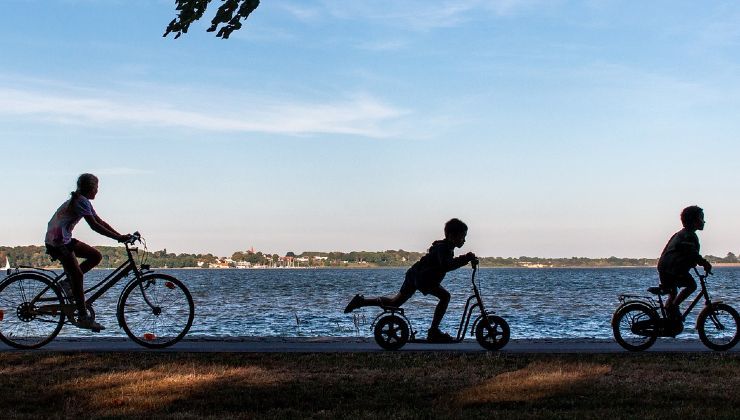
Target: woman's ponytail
x,y
85,183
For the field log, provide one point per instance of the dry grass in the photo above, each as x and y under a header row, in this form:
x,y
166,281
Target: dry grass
x,y
376,385
535,381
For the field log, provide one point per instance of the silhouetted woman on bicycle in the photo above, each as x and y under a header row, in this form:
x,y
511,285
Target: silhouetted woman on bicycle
x,y
60,245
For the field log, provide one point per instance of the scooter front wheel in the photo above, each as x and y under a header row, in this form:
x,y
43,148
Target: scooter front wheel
x,y
492,332
391,332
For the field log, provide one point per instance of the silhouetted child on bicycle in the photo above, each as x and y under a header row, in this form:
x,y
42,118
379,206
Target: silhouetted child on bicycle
x,y
426,276
60,245
680,255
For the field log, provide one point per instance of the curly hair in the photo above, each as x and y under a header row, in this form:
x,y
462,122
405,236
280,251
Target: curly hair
x,y
691,214
455,227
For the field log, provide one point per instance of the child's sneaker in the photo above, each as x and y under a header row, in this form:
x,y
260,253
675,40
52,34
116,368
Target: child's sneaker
x,y
434,335
354,303
674,313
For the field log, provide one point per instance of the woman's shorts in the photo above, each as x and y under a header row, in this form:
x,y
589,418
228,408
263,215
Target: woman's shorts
x,y
58,252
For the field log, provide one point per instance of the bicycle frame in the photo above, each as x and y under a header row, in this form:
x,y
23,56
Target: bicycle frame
x,y
113,278
703,293
658,305
104,285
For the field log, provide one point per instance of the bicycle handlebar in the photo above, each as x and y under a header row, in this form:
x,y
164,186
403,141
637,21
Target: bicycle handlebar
x,y
136,236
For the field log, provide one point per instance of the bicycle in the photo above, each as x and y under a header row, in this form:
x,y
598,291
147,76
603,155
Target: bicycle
x,y
154,309
392,329
640,320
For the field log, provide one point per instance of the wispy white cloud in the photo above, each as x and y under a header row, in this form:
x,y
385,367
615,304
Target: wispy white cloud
x,y
361,115
421,14
300,12
122,171
384,45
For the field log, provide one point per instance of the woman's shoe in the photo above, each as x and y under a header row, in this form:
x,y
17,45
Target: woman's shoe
x,y
88,324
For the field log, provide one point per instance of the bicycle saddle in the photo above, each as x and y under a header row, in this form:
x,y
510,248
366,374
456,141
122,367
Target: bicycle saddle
x,y
658,290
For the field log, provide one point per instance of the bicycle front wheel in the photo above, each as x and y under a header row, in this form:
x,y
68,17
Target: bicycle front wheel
x,y
30,311
718,326
156,310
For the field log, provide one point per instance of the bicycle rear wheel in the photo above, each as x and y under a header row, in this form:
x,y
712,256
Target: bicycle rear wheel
x,y
156,311
30,311
634,327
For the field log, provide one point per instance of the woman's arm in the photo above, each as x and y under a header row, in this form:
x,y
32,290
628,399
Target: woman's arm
x,y
98,225
105,224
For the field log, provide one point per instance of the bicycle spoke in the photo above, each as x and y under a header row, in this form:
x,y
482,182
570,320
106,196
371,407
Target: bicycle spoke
x,y
23,325
22,291
8,301
155,314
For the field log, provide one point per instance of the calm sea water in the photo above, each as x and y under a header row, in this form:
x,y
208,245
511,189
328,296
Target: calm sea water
x,y
537,303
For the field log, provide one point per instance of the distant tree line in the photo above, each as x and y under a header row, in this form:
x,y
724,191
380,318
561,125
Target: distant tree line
x,y
36,256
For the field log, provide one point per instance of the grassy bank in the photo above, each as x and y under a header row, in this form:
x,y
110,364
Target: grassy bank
x,y
375,385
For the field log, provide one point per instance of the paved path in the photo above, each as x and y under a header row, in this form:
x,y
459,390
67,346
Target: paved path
x,y
334,344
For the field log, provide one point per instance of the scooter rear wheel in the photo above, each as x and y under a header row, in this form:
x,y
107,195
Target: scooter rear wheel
x,y
492,332
391,332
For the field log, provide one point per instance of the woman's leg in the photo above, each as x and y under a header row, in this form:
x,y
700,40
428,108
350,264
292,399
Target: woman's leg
x,y
91,255
74,273
75,270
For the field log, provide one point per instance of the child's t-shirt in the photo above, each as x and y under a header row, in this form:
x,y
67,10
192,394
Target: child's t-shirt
x,y
681,253
59,230
432,267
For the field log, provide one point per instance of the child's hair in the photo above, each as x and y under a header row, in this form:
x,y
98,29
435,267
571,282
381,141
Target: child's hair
x,y
690,214
455,227
85,184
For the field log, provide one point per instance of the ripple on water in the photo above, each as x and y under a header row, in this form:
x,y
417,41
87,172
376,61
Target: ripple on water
x,y
541,303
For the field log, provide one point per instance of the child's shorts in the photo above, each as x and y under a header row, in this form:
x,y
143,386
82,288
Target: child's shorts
x,y
674,281
408,288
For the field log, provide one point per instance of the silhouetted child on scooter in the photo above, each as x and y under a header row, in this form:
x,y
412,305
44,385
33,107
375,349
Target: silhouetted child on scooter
x,y
679,256
426,275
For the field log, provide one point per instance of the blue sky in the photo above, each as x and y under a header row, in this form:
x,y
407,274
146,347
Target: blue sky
x,y
553,128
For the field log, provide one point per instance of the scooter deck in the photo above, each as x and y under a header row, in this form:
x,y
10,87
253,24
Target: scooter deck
x,y
425,341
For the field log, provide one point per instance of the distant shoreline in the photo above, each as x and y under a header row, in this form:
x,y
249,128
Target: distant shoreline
x,y
608,267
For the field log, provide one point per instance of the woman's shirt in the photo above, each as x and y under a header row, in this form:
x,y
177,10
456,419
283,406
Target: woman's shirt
x,y
59,230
